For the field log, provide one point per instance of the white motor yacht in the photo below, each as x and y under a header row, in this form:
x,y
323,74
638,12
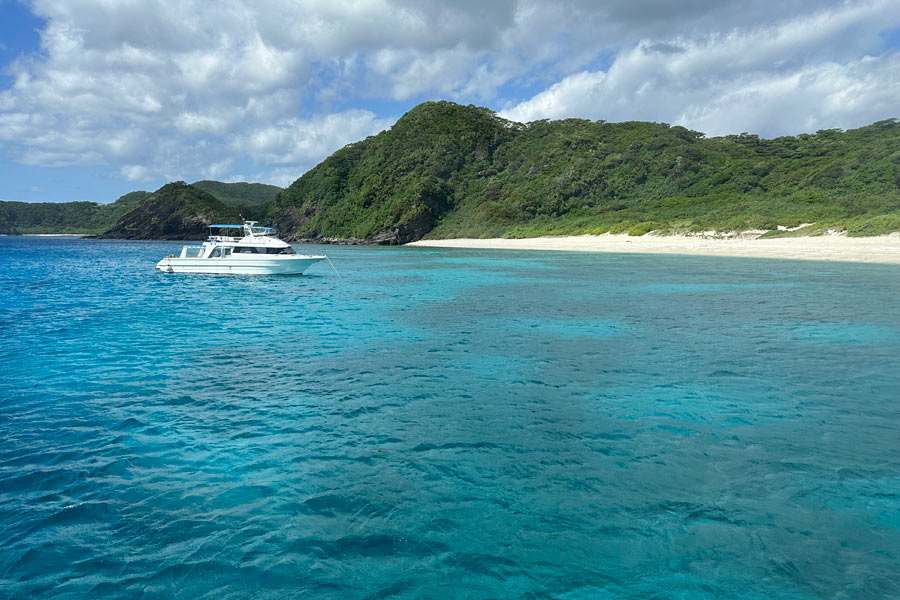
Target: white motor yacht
x,y
241,249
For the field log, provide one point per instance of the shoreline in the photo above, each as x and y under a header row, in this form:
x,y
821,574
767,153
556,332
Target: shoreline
x,y
884,249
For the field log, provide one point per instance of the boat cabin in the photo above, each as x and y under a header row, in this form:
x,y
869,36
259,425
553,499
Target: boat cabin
x,y
227,240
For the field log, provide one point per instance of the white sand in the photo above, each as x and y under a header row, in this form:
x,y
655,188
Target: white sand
x,y
877,249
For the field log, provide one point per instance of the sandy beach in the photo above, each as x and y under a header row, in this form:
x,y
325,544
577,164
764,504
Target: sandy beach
x,y
834,247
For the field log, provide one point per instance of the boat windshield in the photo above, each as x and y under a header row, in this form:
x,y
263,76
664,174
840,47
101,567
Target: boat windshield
x,y
270,231
226,233
258,250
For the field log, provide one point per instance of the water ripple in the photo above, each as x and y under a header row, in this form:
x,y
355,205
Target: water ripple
x,y
447,424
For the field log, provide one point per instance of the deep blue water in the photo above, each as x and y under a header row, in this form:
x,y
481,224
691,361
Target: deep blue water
x,y
447,424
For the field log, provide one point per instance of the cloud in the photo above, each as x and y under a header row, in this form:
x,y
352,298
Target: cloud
x,y
185,89
162,88
280,151
798,75
305,142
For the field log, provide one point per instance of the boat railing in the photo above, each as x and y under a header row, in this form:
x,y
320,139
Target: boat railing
x,y
224,238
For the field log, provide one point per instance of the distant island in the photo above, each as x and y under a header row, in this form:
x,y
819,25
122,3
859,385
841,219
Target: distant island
x,y
446,171
172,212
178,211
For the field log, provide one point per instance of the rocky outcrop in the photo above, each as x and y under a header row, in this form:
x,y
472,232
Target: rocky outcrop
x,y
176,211
8,230
292,220
429,208
293,224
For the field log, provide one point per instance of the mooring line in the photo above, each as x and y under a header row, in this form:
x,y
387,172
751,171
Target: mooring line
x,y
332,266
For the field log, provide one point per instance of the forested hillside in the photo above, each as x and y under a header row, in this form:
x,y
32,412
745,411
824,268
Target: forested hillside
x,y
176,211
249,199
239,194
64,217
446,170
395,186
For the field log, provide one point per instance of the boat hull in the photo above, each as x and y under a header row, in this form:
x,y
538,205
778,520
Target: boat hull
x,y
272,265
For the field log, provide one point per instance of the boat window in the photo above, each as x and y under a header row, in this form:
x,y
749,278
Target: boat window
x,y
227,251
216,252
287,250
245,249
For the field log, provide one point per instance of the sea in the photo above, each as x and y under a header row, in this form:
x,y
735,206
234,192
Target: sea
x,y
447,423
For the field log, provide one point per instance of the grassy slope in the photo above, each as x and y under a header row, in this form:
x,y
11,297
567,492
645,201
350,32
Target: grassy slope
x,y
496,178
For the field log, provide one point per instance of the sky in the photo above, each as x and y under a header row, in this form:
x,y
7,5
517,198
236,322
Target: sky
x,y
102,97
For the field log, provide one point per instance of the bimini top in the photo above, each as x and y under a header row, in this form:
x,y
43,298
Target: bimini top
x,y
229,226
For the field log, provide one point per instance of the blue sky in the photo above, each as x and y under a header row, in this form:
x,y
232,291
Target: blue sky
x,y
101,98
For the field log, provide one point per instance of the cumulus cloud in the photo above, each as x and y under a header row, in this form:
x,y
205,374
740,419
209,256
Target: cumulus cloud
x,y
798,75
185,89
170,88
305,142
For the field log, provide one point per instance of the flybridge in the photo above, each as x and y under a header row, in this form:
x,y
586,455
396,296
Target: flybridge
x,y
249,229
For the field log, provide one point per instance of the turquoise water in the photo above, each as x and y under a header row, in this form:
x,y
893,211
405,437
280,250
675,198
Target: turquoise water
x,y
447,424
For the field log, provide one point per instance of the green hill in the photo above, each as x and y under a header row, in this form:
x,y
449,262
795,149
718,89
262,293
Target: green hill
x,y
446,170
90,217
240,194
395,186
64,217
176,211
